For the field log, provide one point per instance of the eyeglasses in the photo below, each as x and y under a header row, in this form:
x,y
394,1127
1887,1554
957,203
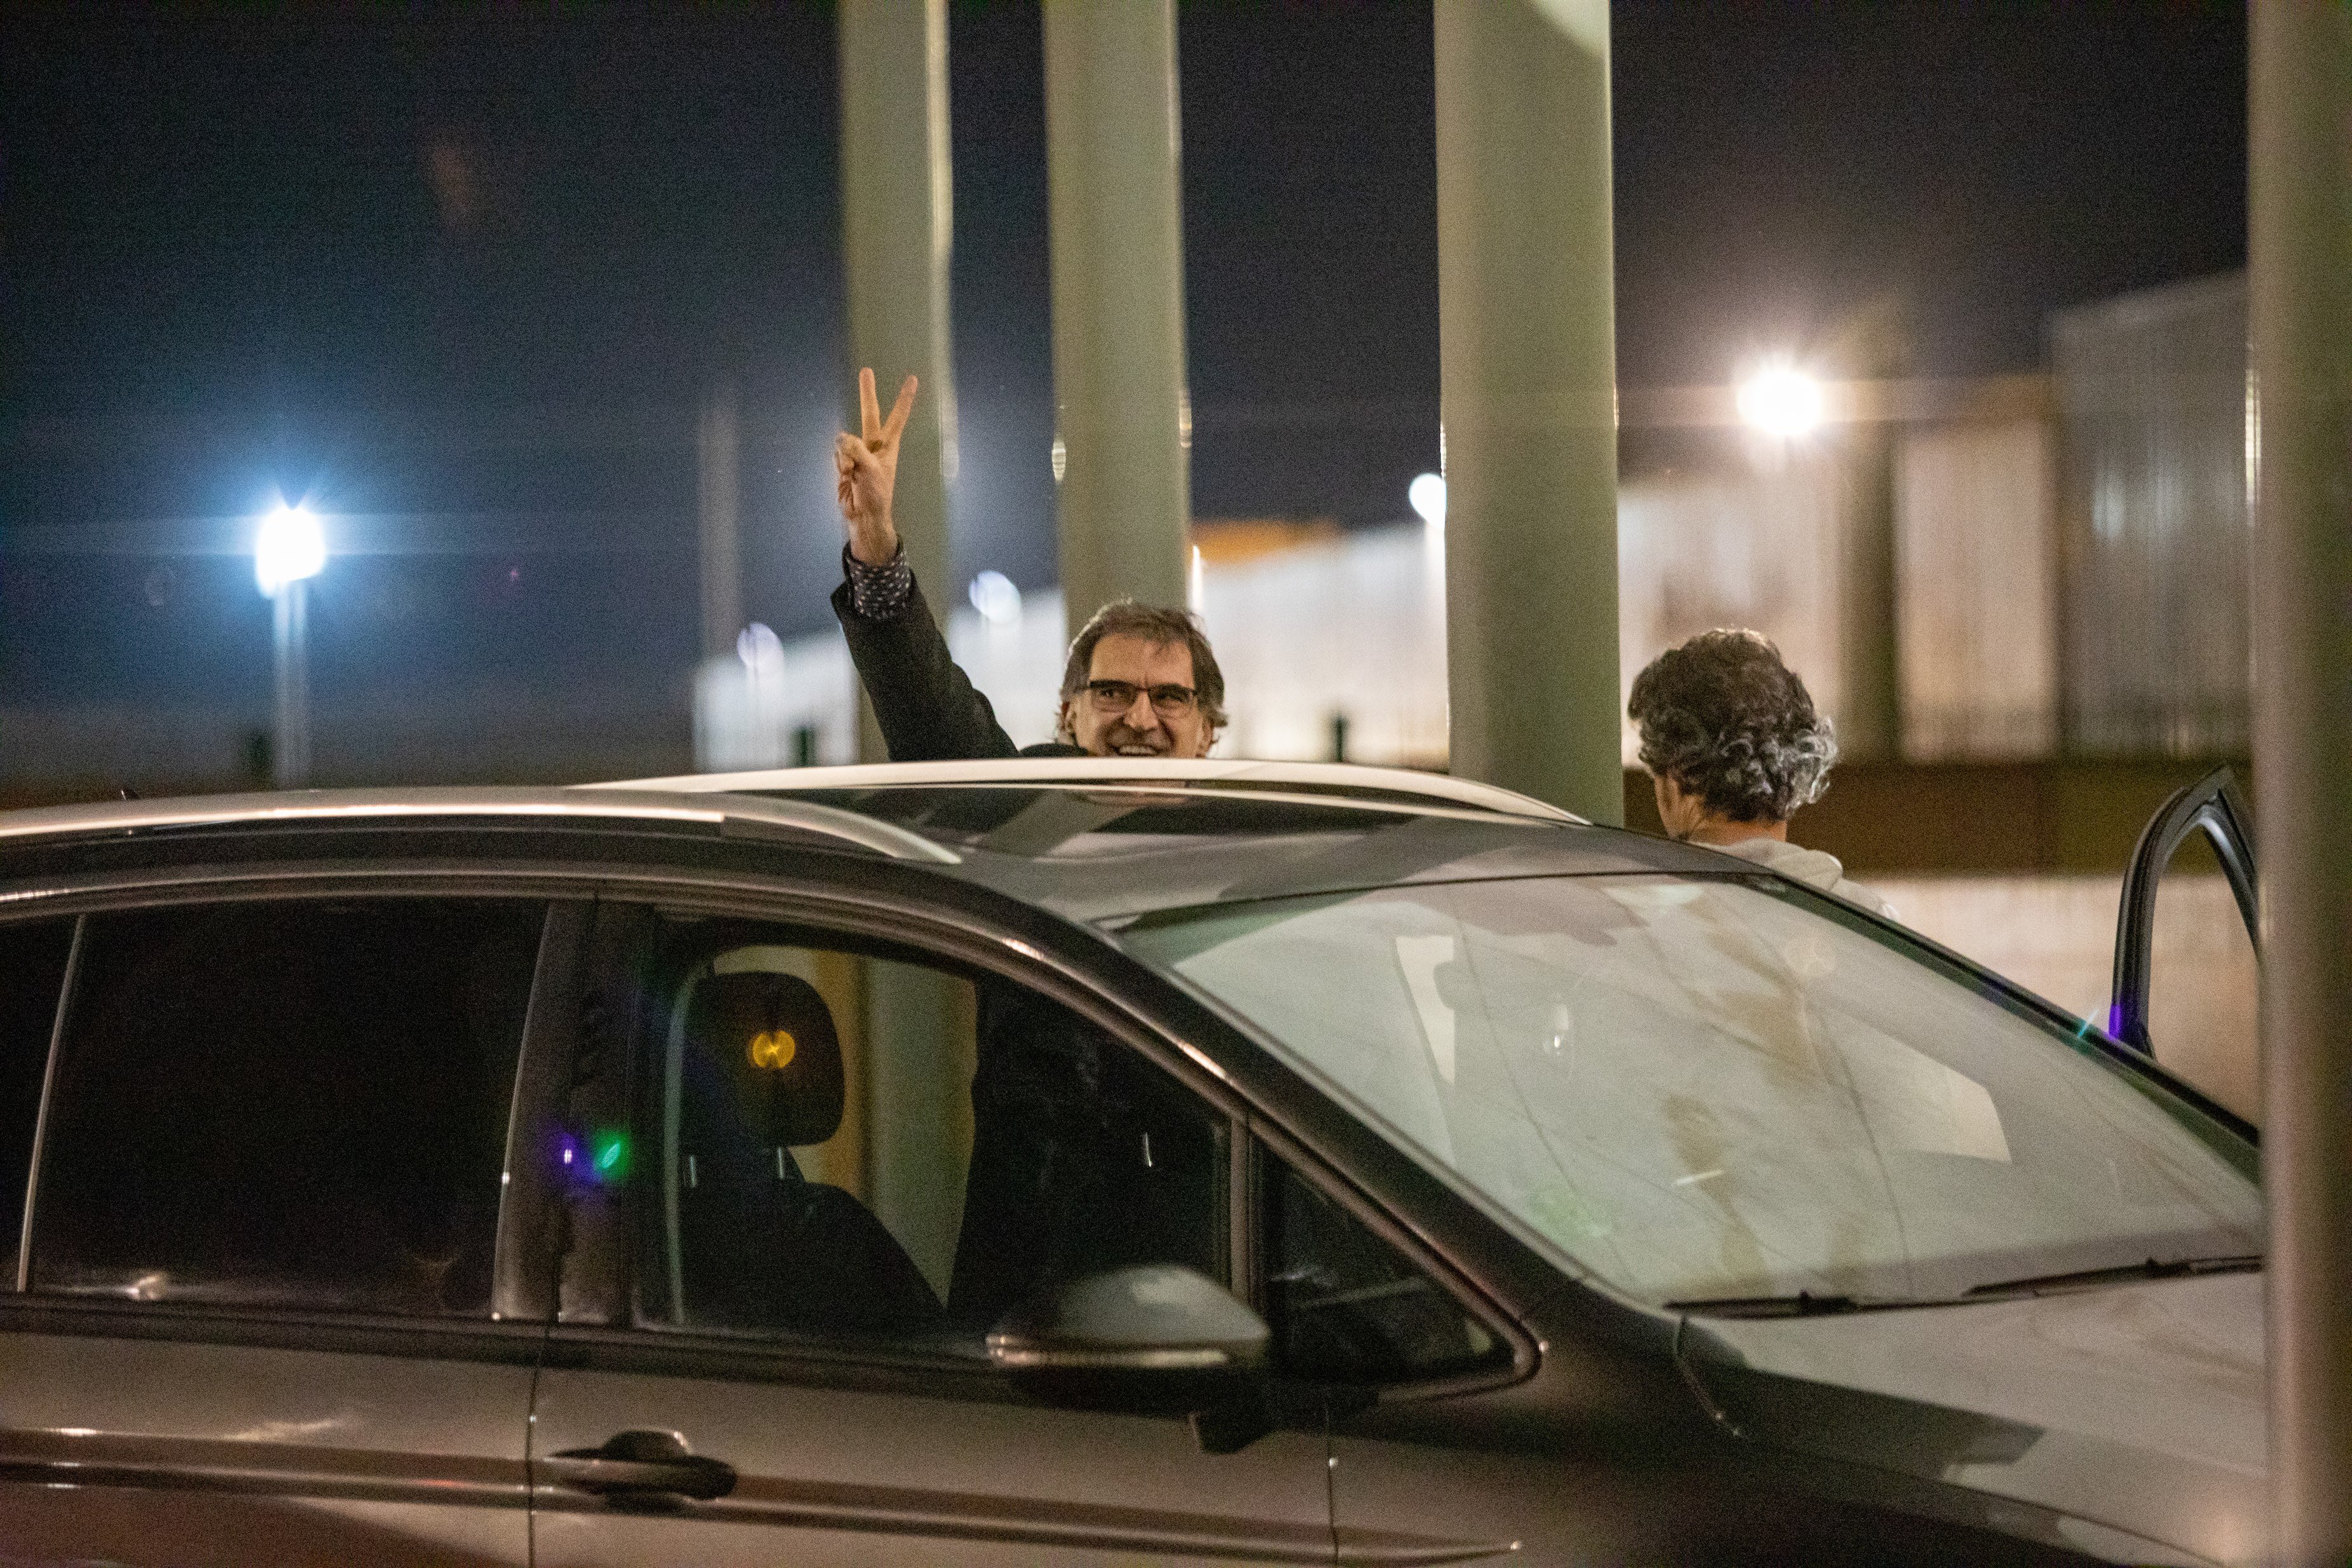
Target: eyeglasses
x,y
1170,701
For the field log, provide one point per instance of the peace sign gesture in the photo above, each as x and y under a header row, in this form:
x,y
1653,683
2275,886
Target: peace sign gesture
x,y
868,467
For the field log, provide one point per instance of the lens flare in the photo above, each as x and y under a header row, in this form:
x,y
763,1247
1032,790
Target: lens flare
x,y
290,546
1781,401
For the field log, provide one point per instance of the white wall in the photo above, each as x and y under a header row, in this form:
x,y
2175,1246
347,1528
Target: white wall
x,y
1976,595
1352,625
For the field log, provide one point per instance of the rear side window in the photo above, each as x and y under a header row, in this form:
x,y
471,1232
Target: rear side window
x,y
33,957
293,1104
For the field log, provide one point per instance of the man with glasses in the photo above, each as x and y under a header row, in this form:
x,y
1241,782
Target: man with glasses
x,y
1063,1120
1140,682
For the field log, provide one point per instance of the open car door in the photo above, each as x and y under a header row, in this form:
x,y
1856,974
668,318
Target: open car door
x,y
2209,815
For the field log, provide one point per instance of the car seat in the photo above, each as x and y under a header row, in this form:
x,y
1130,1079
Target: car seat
x,y
760,1246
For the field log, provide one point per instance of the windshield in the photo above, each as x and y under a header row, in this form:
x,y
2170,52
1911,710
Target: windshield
x,y
1700,1090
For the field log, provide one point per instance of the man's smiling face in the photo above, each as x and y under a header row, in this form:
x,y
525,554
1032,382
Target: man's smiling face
x,y
1138,730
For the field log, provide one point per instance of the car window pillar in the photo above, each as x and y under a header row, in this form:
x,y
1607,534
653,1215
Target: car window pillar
x,y
530,1231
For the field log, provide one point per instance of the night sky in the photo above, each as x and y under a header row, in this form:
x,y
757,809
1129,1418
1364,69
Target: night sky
x,y
463,280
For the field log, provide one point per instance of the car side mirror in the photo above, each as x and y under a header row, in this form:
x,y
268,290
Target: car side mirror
x,y
1152,1337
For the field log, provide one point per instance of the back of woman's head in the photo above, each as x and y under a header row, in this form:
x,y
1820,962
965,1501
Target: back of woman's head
x,y
1725,719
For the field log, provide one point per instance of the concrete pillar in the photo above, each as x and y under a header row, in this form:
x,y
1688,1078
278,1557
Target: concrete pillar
x,y
2299,253
1123,418
1869,724
921,1055
897,240
289,629
1528,351
719,505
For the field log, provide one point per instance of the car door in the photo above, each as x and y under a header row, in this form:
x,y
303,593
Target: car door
x,y
2185,971
251,1321
775,1291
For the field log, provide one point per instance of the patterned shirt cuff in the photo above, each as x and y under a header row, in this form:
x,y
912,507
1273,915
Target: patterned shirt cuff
x,y
878,592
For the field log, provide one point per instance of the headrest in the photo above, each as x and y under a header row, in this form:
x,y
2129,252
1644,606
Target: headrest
x,y
771,1037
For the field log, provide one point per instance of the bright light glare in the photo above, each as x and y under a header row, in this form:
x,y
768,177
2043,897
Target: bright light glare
x,y
1780,402
760,650
1427,494
608,1155
290,546
996,597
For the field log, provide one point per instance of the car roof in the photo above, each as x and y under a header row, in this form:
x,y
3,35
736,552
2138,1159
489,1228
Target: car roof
x,y
418,807
1100,839
1092,840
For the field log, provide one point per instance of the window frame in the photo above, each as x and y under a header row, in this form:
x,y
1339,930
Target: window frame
x,y
61,1011
510,1330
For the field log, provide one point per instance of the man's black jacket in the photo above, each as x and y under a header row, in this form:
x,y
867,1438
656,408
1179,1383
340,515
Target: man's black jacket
x,y
928,709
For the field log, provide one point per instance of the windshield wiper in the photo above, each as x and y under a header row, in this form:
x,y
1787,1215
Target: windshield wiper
x,y
1803,1304
2152,1268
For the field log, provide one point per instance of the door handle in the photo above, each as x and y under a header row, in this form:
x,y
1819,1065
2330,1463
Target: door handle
x,y
641,1468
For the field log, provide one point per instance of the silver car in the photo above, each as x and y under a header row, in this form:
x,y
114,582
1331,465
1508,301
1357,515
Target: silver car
x,y
1072,1162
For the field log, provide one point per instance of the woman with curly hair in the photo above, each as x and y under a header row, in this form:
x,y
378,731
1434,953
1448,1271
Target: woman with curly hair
x,y
1733,746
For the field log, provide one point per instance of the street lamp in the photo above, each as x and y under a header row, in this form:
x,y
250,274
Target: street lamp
x,y
996,597
1427,496
289,550
1781,401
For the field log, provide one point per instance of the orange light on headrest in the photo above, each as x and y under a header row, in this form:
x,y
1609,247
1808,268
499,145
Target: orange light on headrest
x,y
773,1048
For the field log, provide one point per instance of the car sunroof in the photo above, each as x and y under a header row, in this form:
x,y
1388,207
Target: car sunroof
x,y
1077,823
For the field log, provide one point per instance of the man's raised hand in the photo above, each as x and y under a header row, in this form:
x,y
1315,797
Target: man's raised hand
x,y
867,464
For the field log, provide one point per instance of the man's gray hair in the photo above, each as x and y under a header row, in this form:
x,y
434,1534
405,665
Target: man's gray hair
x,y
1160,626
1725,719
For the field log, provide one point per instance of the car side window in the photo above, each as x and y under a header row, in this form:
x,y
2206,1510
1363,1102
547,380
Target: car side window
x,y
33,958
1346,1306
296,1103
844,1142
